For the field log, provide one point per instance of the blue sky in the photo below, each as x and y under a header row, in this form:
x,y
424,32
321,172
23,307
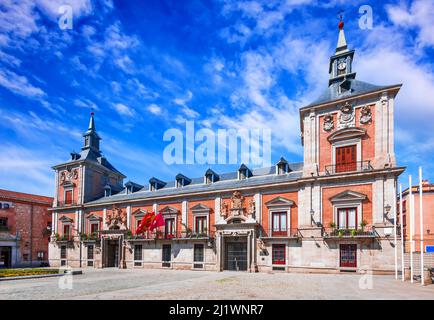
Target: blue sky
x,y
147,66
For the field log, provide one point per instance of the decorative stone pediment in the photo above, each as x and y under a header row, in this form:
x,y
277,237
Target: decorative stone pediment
x,y
169,210
348,195
200,207
139,213
65,219
279,202
347,133
93,217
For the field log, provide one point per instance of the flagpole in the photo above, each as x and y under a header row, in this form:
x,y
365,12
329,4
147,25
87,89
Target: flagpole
x,y
421,227
402,232
411,227
394,232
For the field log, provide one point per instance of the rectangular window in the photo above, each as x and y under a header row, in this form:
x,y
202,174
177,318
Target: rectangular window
x,y
278,253
169,228
3,223
68,197
94,227
167,255
347,218
90,252
138,254
41,255
279,224
346,158
63,252
198,253
200,225
66,231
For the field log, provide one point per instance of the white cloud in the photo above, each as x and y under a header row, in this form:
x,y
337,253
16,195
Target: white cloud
x,y
124,110
154,109
19,84
86,103
51,7
27,170
419,15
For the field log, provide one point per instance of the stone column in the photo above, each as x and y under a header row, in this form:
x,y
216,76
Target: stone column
x,y
129,217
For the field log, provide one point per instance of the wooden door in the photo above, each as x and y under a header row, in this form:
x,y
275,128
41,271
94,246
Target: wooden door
x,y
346,158
348,255
278,253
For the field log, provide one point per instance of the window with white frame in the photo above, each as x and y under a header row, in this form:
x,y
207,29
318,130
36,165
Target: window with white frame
x,y
347,218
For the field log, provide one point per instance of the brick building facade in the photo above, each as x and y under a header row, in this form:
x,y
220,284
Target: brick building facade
x,y
428,217
330,213
25,228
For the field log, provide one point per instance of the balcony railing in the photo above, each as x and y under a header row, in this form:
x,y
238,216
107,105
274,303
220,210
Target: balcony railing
x,y
66,237
94,236
66,203
177,235
366,232
281,233
358,166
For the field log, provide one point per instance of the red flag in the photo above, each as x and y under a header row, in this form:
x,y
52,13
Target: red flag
x,y
157,222
146,222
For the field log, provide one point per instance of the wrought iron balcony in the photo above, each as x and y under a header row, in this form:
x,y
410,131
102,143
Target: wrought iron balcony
x,y
177,235
366,232
66,203
358,166
281,233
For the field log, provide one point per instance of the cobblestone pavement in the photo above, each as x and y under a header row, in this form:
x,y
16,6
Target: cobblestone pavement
x,y
180,284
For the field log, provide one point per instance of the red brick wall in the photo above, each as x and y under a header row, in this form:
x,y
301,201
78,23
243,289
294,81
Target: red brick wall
x,y
327,206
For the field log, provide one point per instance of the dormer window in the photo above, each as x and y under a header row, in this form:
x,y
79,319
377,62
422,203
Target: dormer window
x,y
132,187
210,177
282,166
244,172
155,184
75,156
182,180
107,191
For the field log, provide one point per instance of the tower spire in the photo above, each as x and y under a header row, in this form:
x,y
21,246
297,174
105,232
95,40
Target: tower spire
x,y
342,42
91,122
91,138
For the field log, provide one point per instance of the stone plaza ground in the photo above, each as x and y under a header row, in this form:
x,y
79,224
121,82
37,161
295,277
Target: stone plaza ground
x,y
179,284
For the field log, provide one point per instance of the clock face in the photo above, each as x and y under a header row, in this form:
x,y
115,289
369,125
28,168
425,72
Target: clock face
x,y
342,65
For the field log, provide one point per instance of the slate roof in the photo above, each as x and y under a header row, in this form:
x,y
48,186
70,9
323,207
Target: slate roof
x,y
90,154
356,88
229,180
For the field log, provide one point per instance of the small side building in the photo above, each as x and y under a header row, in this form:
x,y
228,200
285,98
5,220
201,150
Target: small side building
x,y
25,228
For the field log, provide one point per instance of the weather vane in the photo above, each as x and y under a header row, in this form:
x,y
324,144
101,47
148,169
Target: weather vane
x,y
341,22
